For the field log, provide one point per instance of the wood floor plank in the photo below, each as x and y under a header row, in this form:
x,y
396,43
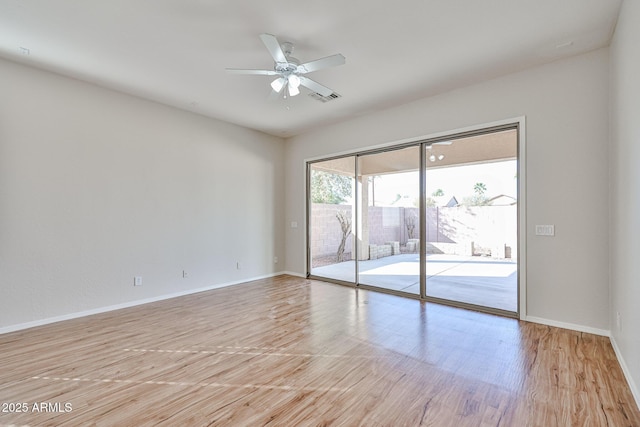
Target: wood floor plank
x,y
288,351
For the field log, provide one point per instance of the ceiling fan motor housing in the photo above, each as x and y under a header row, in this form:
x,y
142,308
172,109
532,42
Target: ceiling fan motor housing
x,y
287,67
291,66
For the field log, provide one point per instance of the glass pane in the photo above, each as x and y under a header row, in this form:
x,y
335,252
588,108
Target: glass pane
x,y
331,222
389,225
472,217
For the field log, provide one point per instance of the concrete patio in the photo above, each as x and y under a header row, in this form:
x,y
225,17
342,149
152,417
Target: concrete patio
x,y
475,280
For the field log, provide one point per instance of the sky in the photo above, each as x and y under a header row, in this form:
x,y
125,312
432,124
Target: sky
x,y
459,181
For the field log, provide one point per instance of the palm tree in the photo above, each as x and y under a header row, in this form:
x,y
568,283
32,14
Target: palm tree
x,y
478,199
480,188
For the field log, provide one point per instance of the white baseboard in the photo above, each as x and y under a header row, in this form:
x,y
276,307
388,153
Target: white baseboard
x,y
570,326
49,320
625,370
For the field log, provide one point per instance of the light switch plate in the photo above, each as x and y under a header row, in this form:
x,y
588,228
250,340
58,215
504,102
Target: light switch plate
x,y
545,230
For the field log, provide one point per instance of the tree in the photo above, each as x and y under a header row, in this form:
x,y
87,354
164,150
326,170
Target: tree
x,y
410,223
345,225
478,199
480,188
431,201
329,187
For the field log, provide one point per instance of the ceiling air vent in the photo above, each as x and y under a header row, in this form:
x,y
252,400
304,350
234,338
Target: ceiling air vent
x,y
321,98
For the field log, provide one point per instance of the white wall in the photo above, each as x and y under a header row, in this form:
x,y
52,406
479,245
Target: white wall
x,y
97,187
625,191
566,109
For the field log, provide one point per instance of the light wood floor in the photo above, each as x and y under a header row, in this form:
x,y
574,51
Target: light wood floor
x,y
293,352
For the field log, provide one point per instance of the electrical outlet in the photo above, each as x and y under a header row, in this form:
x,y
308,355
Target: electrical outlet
x,y
184,274
238,265
275,259
619,321
137,281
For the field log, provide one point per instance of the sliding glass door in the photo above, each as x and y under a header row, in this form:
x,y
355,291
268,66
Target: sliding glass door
x,y
436,220
472,220
331,206
389,220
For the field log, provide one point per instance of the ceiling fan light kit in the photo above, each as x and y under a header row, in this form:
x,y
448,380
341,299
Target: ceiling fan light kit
x,y
291,73
278,83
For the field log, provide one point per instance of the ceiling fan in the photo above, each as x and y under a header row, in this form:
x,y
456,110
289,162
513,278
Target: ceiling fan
x,y
290,72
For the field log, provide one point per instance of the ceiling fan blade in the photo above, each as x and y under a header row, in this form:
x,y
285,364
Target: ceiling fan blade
x,y
318,64
273,46
255,72
315,86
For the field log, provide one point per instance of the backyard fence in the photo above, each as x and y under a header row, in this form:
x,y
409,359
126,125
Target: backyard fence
x,y
461,230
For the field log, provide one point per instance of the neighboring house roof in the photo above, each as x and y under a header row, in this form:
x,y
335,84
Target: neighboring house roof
x,y
453,202
503,200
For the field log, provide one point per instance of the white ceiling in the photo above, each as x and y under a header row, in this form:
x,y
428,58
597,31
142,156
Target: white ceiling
x,y
176,51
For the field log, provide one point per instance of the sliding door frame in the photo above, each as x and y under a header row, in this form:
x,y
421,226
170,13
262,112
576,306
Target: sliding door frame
x,y
517,124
